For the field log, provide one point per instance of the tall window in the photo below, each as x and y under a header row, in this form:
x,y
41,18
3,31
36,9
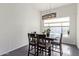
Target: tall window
x,y
58,25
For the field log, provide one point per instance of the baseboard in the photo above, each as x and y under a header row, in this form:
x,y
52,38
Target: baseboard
x,y
70,44
77,46
13,49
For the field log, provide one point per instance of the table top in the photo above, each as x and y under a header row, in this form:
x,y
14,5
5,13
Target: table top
x,y
49,38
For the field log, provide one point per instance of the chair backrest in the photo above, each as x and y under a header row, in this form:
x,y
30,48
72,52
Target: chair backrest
x,y
31,37
41,38
61,38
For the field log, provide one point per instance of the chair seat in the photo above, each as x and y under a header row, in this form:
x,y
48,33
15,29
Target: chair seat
x,y
45,46
33,42
55,43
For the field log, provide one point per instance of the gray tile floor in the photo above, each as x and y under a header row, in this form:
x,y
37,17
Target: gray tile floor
x,y
68,50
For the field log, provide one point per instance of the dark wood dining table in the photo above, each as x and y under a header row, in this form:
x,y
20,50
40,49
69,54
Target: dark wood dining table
x,y
50,38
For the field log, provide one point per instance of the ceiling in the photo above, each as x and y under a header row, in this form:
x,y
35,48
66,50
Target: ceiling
x,y
46,6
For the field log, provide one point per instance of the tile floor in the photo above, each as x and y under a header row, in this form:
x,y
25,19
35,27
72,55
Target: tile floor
x,y
68,50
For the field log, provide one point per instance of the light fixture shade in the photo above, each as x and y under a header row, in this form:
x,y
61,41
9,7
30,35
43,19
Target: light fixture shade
x,y
49,16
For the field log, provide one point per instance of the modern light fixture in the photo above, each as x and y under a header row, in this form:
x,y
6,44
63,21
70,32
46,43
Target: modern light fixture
x,y
49,14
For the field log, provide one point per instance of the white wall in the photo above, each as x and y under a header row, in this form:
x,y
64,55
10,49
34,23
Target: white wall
x,y
66,11
16,20
78,25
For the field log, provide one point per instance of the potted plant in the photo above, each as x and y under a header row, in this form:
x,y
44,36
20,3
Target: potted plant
x,y
48,32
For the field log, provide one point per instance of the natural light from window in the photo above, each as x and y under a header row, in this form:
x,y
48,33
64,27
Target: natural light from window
x,y
58,25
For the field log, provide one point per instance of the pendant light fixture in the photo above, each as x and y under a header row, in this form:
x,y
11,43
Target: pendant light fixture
x,y
48,15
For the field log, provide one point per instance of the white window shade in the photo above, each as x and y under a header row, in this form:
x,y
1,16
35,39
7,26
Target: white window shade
x,y
65,24
64,19
53,24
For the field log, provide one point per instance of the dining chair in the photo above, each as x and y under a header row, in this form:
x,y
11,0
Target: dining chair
x,y
32,43
43,44
56,43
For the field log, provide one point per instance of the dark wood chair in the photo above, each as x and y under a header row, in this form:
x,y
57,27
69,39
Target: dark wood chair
x,y
43,44
57,43
32,43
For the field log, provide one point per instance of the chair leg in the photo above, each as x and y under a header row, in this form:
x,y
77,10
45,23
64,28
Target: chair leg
x,y
45,51
49,51
39,50
28,50
60,50
42,51
35,50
